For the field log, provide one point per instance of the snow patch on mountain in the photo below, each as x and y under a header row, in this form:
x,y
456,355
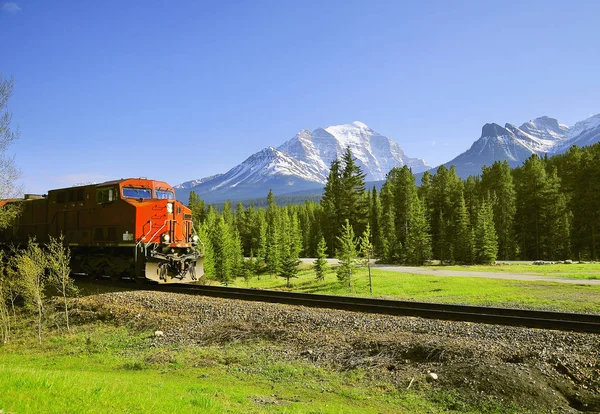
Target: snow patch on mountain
x,y
194,183
375,153
586,132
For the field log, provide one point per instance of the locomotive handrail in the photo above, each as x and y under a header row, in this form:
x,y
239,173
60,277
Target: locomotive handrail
x,y
154,235
144,236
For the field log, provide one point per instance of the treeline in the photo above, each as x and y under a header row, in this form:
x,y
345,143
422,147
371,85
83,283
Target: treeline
x,y
547,209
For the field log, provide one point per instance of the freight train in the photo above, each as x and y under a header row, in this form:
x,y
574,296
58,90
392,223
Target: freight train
x,y
128,228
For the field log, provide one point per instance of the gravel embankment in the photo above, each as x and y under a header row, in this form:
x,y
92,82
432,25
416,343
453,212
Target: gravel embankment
x,y
530,367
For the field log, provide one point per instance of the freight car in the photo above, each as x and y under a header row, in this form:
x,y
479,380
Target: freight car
x,y
128,228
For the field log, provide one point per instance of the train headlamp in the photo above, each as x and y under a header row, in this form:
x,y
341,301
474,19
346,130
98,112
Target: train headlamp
x,y
165,238
170,208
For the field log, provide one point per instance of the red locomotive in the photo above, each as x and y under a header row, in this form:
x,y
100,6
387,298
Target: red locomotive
x,y
124,228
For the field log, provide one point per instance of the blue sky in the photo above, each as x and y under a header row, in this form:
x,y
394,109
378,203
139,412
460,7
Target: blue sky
x,y
182,90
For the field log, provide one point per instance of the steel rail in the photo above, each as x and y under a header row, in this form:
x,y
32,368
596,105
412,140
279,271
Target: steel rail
x,y
563,321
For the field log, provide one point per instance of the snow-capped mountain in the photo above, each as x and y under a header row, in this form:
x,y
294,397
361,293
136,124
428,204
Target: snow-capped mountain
x,y
583,133
374,153
303,163
510,143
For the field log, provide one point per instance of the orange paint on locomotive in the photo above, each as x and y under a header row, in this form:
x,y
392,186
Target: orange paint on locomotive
x,y
135,214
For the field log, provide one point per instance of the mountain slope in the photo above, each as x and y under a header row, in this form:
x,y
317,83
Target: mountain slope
x,y
509,143
586,132
302,163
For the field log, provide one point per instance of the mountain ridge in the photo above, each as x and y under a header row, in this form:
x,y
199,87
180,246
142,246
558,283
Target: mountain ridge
x,y
302,162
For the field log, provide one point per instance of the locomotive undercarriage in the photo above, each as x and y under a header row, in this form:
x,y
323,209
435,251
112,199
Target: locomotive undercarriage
x,y
175,265
166,264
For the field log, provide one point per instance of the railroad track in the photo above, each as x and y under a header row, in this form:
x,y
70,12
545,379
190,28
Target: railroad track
x,y
562,321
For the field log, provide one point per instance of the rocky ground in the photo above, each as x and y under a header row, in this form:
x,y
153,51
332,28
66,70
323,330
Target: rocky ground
x,y
542,370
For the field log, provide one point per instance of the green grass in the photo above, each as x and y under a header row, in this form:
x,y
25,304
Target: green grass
x,y
101,368
462,290
575,270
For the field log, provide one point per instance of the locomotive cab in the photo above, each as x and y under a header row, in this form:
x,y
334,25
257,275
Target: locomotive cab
x,y
165,240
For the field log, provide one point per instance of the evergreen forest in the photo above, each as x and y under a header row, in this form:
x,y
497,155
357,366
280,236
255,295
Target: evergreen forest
x,y
546,209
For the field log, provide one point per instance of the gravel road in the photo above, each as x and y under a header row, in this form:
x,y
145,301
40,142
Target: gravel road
x,y
467,273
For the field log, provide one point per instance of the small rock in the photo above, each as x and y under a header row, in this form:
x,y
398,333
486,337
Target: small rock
x,y
159,334
432,376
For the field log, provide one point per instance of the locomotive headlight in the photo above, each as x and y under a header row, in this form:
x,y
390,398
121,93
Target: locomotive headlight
x,y
165,238
170,208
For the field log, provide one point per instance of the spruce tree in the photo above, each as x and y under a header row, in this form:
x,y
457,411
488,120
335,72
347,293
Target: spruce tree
x,y
290,245
206,248
497,181
261,252
464,235
321,262
272,246
331,205
344,198
418,240
390,245
354,205
486,241
375,220
224,252
346,255
366,252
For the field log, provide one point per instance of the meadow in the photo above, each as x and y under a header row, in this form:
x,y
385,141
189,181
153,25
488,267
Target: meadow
x,y
105,368
461,290
573,270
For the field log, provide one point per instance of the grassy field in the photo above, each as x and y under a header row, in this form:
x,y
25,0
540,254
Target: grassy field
x,y
575,270
463,290
103,368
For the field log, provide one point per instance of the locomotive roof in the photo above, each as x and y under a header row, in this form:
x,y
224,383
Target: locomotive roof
x,y
112,182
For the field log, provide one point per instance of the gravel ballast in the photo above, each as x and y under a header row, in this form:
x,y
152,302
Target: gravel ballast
x,y
540,369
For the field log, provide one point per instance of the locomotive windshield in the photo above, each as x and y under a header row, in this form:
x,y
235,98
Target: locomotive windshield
x,y
133,192
165,194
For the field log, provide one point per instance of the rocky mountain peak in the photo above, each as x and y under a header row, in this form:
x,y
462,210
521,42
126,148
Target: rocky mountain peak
x,y
493,130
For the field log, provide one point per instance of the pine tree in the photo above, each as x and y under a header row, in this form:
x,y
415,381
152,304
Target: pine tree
x,y
486,242
321,262
464,235
262,246
224,252
497,181
346,255
331,204
198,208
366,251
290,245
344,198
206,247
272,246
390,245
375,220
401,183
418,241
354,205
446,188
